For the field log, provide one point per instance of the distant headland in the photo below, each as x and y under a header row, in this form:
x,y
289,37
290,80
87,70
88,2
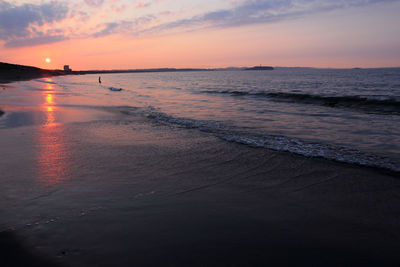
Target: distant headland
x,y
13,72
260,68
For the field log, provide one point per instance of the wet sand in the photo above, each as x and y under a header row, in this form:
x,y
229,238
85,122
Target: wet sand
x,y
3,87
129,191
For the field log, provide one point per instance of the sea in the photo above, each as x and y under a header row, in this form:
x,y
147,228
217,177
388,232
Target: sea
x,y
344,115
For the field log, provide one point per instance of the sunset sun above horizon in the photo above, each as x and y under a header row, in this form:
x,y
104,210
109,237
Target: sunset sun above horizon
x,y
48,60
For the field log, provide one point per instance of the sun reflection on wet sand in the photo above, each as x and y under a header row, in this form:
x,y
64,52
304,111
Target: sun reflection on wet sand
x,y
52,150
49,99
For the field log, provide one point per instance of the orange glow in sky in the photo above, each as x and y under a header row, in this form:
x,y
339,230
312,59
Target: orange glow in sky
x,y
120,34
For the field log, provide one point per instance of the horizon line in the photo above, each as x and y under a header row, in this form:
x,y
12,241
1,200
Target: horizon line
x,y
214,68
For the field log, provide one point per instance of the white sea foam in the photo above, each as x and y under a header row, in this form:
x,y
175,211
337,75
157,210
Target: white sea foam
x,y
281,143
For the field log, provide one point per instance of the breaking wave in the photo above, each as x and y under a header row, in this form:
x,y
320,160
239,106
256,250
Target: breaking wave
x,y
281,143
384,105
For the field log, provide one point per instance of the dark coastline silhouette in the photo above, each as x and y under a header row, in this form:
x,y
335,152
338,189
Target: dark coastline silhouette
x,y
14,72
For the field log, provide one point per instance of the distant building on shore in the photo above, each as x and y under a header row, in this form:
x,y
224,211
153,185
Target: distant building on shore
x,y
67,69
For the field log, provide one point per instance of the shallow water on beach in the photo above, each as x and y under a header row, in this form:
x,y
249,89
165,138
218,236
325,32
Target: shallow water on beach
x,y
346,115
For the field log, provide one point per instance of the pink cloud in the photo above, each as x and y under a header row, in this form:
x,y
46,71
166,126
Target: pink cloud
x,y
166,13
140,4
119,9
94,3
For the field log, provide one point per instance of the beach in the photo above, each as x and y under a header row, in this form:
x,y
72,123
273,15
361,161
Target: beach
x,y
96,185
199,133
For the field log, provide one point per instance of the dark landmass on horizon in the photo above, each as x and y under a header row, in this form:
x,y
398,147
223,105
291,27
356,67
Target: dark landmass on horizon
x,y
260,68
13,72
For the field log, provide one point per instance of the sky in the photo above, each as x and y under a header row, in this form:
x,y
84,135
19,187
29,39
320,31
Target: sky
x,y
127,34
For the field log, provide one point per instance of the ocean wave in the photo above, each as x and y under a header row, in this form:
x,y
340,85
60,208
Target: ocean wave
x,y
205,126
384,105
296,146
281,143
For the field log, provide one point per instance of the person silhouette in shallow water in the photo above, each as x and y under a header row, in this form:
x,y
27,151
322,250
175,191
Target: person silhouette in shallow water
x,y
99,79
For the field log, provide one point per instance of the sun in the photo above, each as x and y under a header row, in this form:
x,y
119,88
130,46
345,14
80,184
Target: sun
x,y
48,60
